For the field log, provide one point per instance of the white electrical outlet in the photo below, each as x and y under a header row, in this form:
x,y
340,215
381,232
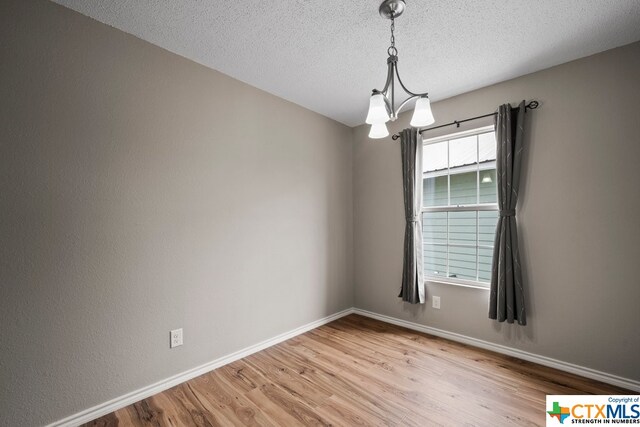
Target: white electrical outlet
x,y
175,338
436,302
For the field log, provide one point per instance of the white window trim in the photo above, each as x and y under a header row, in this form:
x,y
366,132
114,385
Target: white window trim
x,y
460,208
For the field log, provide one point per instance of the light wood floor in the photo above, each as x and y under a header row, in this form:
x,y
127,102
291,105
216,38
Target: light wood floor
x,y
358,371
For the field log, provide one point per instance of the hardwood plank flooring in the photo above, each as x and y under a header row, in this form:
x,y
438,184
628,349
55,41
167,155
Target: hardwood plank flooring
x,y
361,372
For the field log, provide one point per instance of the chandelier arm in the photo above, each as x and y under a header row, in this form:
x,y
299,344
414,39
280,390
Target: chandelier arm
x,y
389,79
405,103
405,88
393,92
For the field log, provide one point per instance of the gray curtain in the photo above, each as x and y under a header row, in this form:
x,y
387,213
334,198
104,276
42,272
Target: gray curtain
x,y
412,290
506,299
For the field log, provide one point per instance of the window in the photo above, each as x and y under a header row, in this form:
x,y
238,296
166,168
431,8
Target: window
x,y
460,207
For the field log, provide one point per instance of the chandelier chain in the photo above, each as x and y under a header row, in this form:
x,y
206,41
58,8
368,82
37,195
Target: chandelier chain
x,y
392,51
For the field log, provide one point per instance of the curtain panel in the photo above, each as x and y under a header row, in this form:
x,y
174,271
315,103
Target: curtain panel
x,y
412,290
506,297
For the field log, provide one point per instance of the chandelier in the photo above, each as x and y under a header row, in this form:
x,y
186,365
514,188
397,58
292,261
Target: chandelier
x,y
382,102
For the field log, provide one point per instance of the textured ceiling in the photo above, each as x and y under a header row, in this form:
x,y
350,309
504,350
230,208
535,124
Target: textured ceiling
x,y
327,55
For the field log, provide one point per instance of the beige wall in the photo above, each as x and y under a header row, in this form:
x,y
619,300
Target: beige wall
x,y
578,217
141,192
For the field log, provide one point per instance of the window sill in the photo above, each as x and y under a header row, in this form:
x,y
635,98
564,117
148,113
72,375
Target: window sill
x,y
474,285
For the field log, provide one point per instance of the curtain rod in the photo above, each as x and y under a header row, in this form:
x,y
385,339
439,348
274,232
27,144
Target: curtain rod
x,y
532,105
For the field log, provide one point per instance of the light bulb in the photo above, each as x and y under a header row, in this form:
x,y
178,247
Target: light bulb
x,y
378,110
486,179
378,130
422,115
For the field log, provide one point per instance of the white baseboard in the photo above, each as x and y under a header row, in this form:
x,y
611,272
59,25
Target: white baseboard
x,y
520,354
135,396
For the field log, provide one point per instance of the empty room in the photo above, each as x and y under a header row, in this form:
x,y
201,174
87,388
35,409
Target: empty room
x,y
333,213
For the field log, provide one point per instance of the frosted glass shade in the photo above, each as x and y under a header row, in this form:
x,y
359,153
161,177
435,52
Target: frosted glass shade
x,y
378,112
378,130
422,115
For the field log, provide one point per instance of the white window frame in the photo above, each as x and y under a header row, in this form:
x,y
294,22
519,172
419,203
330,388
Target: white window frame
x,y
460,208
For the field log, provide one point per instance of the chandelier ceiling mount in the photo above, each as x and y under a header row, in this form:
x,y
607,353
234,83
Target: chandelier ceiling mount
x,y
391,8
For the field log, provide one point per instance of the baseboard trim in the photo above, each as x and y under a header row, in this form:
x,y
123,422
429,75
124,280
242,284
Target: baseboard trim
x,y
509,351
135,396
